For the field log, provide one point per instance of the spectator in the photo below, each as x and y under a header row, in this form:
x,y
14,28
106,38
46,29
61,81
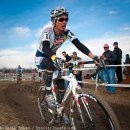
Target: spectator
x,y
78,73
109,73
67,58
127,68
127,60
118,52
19,71
100,77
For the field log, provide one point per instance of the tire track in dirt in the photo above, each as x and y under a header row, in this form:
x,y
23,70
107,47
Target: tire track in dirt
x,y
23,102
18,104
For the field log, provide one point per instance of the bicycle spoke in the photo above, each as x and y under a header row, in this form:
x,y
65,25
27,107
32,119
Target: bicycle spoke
x,y
85,103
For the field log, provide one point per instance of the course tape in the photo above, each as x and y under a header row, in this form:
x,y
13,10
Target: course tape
x,y
102,84
105,84
94,67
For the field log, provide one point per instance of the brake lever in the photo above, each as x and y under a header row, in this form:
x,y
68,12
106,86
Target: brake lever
x,y
99,67
102,63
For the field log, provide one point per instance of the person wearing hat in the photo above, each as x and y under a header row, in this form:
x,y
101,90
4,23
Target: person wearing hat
x,y
127,59
118,53
108,74
77,73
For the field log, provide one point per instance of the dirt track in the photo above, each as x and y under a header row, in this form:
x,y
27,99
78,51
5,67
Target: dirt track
x,y
18,106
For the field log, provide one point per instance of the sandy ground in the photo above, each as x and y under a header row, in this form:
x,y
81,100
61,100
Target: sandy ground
x,y
18,106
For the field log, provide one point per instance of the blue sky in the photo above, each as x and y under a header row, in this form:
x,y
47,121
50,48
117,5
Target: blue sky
x,y
94,22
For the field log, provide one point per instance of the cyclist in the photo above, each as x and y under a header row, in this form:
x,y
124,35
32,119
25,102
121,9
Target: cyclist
x,y
19,72
51,39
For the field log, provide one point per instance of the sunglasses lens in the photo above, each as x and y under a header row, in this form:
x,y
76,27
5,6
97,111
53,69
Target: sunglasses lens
x,y
62,19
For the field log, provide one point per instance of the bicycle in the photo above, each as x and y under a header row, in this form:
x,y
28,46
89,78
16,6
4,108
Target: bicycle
x,y
87,110
19,78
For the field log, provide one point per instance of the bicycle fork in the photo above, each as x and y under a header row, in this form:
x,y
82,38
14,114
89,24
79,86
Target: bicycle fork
x,y
87,109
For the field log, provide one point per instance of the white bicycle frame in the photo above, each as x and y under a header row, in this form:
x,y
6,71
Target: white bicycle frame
x,y
73,86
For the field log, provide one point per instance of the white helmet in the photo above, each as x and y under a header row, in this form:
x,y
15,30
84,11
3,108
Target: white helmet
x,y
57,12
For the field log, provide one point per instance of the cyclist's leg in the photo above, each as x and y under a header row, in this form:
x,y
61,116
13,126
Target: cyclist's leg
x,y
48,65
61,92
112,79
61,89
106,78
79,78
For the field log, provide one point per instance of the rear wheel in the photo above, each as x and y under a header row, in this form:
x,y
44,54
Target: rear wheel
x,y
91,112
47,114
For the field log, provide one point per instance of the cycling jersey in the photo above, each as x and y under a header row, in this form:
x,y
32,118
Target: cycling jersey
x,y
19,70
50,42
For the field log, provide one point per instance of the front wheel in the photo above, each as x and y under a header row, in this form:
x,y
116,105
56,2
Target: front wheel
x,y
91,112
47,114
19,79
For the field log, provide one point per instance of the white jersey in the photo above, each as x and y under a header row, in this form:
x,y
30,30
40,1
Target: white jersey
x,y
55,42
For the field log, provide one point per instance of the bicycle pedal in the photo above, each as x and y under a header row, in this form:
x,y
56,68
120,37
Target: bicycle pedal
x,y
58,120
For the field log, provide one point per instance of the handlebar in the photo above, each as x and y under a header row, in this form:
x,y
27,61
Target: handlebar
x,y
75,63
100,65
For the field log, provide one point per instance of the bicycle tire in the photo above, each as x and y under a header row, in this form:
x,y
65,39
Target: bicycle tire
x,y
47,115
98,120
19,79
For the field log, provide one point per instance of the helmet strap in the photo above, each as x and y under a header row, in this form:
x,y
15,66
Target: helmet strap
x,y
54,21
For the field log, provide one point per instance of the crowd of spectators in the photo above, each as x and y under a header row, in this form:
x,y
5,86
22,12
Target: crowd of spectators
x,y
110,74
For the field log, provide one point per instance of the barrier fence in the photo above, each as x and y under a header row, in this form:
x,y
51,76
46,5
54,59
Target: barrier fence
x,y
13,77
28,76
103,84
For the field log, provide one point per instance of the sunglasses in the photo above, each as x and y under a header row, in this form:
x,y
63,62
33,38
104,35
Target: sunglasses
x,y
105,47
62,19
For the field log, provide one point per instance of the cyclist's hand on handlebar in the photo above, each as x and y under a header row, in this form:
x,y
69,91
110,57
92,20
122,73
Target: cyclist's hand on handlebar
x,y
96,59
102,62
57,62
103,57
